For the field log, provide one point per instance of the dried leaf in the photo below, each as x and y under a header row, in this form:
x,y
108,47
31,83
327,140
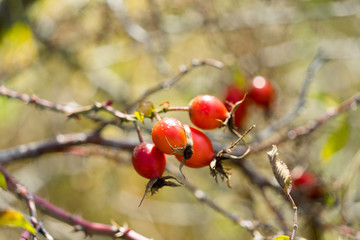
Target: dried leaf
x,y
15,219
155,184
3,181
216,168
280,170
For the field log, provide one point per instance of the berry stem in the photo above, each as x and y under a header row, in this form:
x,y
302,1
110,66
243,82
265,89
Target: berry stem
x,y
138,132
184,108
181,108
158,117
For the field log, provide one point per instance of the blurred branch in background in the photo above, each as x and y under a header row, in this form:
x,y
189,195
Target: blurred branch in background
x,y
311,126
183,69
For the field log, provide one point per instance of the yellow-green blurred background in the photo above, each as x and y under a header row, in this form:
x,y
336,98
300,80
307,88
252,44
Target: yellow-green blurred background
x,y
78,52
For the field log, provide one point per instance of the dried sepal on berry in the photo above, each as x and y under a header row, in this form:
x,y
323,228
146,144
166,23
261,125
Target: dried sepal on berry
x,y
229,121
203,151
188,151
185,152
155,184
216,167
168,135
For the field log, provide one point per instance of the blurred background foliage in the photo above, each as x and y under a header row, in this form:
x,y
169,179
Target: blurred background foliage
x,y
78,52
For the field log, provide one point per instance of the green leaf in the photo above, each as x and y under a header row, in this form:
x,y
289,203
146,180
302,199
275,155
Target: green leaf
x,y
15,219
139,116
238,76
281,238
3,181
336,140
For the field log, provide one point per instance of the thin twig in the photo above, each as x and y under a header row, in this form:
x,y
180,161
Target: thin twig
x,y
142,36
183,70
295,226
33,213
138,131
311,126
275,210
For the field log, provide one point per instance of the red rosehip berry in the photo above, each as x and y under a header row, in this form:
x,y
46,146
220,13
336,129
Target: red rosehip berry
x,y
148,161
207,112
233,94
203,152
168,135
307,184
262,91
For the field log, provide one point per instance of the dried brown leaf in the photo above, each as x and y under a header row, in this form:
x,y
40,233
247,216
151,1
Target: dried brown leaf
x,y
280,170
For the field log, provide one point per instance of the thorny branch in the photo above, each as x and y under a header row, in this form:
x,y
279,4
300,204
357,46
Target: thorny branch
x,y
89,228
67,110
21,191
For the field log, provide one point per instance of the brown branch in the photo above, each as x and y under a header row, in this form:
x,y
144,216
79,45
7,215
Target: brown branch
x,y
80,224
60,143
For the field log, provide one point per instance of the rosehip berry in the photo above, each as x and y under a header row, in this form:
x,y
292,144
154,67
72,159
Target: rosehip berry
x,y
207,112
307,184
262,91
148,161
203,150
168,135
233,94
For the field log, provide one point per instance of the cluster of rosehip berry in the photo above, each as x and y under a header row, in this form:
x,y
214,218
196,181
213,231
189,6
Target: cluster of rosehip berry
x,y
191,146
260,91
